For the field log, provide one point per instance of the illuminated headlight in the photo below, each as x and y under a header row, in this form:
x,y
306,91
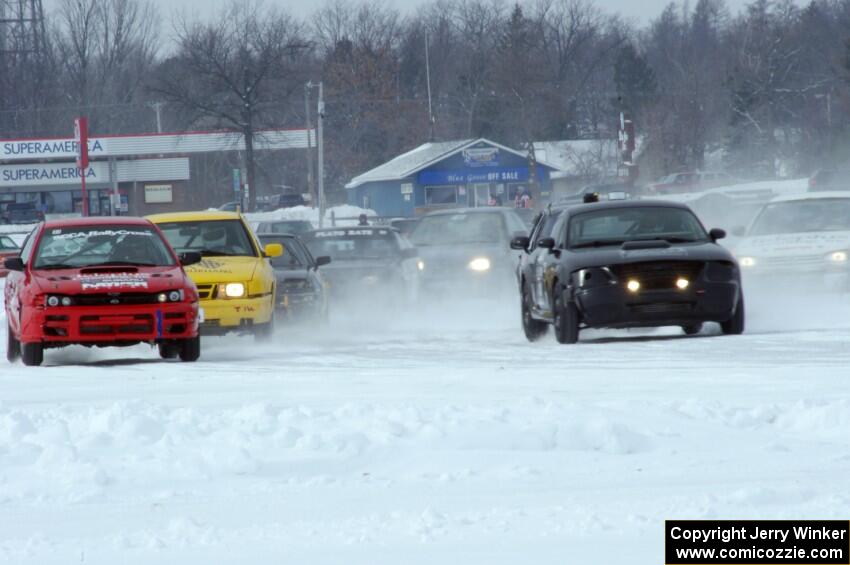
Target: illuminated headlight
x,y
480,264
232,290
633,285
838,257
420,265
162,297
53,301
747,262
682,283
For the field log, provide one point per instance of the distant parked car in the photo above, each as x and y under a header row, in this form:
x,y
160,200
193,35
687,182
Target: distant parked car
x,y
21,213
287,199
689,181
606,191
8,248
829,179
284,226
230,206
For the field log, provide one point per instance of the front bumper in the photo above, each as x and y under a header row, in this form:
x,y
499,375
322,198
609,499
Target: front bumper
x,y
299,303
226,315
614,306
65,325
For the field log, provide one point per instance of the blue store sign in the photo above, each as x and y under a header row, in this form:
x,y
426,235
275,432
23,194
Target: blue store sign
x,y
470,177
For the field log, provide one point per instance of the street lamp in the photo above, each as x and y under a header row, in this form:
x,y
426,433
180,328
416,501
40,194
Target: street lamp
x,y
320,142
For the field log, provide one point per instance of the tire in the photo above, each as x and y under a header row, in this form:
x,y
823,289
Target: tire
x,y
692,329
13,346
32,354
190,349
735,324
566,320
169,349
533,329
264,332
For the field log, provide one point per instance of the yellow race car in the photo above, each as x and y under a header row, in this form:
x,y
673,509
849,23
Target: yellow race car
x,y
235,280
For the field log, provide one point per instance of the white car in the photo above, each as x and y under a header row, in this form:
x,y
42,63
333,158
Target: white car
x,y
804,236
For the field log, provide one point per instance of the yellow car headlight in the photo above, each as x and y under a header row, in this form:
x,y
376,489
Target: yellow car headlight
x,y
231,290
420,264
480,264
747,262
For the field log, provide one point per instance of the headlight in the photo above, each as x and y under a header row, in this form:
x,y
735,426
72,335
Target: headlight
x,y
231,290
747,262
480,264
633,285
682,283
420,264
594,276
838,257
53,301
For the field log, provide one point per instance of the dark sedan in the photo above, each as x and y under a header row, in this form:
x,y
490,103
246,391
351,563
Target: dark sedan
x,y
627,264
301,288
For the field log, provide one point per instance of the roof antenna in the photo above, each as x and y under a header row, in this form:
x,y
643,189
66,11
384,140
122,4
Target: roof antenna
x,y
428,82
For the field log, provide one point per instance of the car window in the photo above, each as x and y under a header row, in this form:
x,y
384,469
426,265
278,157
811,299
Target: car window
x,y
212,238
293,255
534,234
29,242
462,227
85,246
614,226
6,244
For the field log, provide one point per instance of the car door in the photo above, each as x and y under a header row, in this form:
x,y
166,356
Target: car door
x,y
16,280
550,262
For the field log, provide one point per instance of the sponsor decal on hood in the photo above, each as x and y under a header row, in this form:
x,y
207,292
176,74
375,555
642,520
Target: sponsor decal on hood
x,y
113,281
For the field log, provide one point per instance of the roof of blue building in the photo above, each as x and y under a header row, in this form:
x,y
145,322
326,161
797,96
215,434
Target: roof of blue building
x,y
422,157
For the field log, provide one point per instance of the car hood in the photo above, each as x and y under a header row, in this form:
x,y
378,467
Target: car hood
x,y
454,255
213,270
109,279
793,244
602,256
341,269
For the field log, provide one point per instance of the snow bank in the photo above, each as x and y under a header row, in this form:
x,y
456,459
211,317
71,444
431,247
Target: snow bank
x,y
345,211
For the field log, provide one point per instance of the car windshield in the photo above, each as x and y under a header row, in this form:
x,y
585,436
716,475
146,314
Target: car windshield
x,y
6,244
615,226
211,238
293,226
353,245
87,246
822,214
449,229
293,257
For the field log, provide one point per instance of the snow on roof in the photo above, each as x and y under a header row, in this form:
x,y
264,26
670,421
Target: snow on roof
x,y
421,157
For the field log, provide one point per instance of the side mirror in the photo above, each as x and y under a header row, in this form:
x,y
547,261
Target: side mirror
x,y
273,250
14,264
739,231
546,243
323,260
410,253
520,242
190,258
716,233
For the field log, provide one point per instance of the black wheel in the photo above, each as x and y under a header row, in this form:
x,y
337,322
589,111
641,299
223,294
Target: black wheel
x,y
169,349
566,319
190,349
32,354
13,346
263,332
735,324
692,329
534,329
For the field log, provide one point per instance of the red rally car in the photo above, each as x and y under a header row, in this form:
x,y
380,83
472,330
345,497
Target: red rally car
x,y
100,282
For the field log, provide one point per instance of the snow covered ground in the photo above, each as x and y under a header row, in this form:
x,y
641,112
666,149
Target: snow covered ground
x,y
424,441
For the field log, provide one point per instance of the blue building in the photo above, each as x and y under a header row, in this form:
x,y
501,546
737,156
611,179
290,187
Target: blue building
x,y
468,173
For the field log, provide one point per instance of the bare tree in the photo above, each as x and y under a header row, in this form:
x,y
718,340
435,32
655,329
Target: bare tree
x,y
239,71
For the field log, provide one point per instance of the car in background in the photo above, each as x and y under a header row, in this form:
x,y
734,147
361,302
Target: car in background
x,y
689,181
466,249
284,226
369,264
21,213
829,180
233,206
628,264
608,191
8,248
302,292
235,280
100,282
803,238
404,225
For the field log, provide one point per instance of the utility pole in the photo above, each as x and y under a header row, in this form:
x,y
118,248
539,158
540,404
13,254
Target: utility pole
x,y
428,82
310,188
321,119
157,107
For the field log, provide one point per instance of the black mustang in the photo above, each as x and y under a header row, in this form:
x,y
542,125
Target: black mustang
x,y
621,264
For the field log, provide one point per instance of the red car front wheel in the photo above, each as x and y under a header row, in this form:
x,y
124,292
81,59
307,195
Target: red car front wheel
x,y
13,346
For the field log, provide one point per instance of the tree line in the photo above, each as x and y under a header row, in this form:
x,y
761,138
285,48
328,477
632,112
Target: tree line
x,y
760,92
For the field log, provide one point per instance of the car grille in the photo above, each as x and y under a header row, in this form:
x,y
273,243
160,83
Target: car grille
x,y
205,291
116,325
658,275
116,299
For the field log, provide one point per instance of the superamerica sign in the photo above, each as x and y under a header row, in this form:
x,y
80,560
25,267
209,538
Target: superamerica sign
x,y
46,148
471,177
